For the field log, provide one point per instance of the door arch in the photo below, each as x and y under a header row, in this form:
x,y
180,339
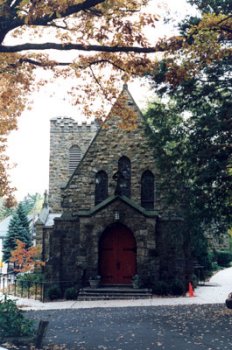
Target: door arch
x,y
117,255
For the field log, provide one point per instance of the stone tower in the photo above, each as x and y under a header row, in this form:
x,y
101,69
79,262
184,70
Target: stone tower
x,y
69,141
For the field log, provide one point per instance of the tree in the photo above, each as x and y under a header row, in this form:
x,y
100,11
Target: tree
x,y
192,130
18,229
26,259
195,126
203,40
109,42
32,203
23,216
4,209
111,29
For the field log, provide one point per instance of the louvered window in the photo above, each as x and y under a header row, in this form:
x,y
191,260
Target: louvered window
x,y
74,158
147,190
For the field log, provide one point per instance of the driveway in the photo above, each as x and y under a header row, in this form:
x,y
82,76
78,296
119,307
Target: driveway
x,y
182,327
184,323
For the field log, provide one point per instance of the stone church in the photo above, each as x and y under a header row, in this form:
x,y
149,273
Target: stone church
x,y
105,214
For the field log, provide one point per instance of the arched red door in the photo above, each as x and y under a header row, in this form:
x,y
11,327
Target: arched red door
x,y
117,255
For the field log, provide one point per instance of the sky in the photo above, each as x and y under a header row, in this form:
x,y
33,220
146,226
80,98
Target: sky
x,y
28,147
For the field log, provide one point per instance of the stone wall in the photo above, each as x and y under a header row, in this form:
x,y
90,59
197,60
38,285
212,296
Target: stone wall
x,y
112,142
63,251
75,244
65,133
162,251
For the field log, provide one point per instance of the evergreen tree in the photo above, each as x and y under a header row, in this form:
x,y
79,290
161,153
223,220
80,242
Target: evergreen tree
x,y
31,202
23,216
18,229
4,210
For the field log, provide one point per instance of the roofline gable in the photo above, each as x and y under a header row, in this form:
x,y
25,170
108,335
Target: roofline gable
x,y
110,114
112,199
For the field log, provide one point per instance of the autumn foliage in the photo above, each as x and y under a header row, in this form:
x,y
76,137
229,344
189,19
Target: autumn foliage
x,y
26,260
105,40
202,43
109,32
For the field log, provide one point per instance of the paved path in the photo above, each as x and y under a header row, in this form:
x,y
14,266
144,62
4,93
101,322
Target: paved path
x,y
213,292
179,327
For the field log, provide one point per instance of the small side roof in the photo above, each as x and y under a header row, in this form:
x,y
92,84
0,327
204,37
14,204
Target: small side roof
x,y
50,219
4,224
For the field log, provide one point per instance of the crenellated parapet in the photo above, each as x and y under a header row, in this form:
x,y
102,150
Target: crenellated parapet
x,y
67,124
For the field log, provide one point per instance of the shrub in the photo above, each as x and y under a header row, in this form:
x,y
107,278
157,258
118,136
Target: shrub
x,y
224,258
12,321
71,293
54,292
194,280
215,266
177,287
26,280
160,288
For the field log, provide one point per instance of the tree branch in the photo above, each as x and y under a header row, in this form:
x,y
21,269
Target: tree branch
x,y
14,4
98,83
106,61
160,47
43,64
55,25
226,29
86,5
15,21
63,64
224,19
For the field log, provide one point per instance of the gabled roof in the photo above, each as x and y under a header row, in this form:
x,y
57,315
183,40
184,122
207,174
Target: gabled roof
x,y
112,199
46,218
43,215
125,93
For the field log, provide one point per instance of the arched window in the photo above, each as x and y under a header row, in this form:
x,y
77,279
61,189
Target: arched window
x,y
124,177
101,186
147,190
74,158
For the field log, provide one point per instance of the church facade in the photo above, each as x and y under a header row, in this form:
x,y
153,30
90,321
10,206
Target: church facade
x,y
105,215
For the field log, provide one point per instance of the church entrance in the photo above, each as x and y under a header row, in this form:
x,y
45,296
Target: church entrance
x,y
117,255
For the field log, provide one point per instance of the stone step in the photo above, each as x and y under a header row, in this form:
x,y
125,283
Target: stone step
x,y
114,293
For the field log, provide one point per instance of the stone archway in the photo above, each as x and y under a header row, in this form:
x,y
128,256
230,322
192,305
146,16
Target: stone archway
x,y
117,255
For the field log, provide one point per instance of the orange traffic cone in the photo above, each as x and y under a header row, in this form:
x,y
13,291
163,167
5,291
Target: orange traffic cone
x,y
191,290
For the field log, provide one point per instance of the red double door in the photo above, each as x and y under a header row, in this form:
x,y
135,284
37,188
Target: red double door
x,y
117,255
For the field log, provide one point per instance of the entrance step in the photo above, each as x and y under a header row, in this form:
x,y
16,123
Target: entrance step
x,y
114,293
